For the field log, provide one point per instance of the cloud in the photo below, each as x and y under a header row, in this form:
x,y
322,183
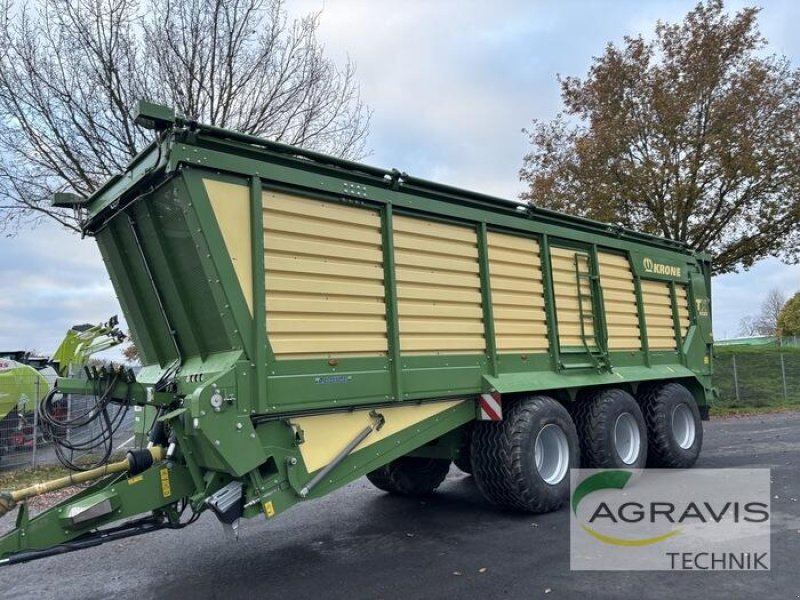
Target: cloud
x,y
452,84
738,295
53,280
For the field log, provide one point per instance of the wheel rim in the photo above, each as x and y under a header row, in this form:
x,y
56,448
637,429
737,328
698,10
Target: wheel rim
x,y
627,438
683,426
552,453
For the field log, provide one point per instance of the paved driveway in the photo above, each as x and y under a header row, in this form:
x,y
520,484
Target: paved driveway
x,y
361,543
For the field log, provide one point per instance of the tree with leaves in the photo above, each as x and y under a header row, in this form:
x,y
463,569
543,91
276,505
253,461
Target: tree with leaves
x,y
789,320
691,135
71,70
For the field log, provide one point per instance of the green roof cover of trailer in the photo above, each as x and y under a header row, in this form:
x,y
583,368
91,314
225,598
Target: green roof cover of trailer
x,y
183,142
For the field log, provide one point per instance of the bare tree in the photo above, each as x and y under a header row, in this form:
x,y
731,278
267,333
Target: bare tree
x,y
70,70
766,322
131,353
748,326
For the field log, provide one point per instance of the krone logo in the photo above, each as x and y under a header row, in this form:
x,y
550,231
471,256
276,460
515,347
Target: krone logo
x,y
650,266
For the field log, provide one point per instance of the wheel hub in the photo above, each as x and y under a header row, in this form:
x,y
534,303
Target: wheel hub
x,y
683,428
552,453
627,438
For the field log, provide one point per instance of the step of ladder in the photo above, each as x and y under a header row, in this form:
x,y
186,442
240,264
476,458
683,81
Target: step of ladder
x,y
568,366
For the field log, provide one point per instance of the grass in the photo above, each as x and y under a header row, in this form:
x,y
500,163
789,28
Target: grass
x,y
20,478
760,371
760,378
746,411
744,349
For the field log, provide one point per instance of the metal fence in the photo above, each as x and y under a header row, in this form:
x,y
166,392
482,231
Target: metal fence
x,y
755,379
26,442
771,341
744,379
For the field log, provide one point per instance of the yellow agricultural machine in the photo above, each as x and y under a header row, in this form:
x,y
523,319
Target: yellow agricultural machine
x,y
26,380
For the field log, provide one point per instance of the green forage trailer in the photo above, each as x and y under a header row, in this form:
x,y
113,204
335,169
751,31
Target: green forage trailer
x,y
304,321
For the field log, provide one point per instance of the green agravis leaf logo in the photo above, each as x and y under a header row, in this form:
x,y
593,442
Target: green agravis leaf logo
x,y
604,481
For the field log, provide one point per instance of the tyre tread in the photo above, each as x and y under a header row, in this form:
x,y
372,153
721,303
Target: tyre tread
x,y
498,452
410,476
660,451
591,416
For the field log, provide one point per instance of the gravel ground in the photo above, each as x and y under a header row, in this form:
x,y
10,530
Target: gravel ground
x,y
361,543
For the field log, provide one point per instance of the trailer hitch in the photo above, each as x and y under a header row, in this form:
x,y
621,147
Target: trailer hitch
x,y
95,538
142,483
134,463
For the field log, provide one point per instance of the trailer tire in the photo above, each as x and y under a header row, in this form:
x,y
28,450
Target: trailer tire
x,y
611,430
410,475
674,428
464,459
523,461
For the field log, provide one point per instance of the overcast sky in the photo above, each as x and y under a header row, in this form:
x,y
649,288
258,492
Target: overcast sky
x,y
451,84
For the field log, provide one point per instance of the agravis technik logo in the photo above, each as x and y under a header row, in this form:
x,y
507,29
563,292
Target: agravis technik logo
x,y
611,480
704,519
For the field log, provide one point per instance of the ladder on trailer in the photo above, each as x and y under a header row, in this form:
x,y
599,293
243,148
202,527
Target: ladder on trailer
x,y
585,280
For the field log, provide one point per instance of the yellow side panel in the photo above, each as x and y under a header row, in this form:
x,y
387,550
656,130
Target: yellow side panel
x,y
324,278
565,288
438,287
658,315
619,300
515,271
231,205
326,435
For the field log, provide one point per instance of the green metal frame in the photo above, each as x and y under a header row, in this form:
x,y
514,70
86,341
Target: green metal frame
x,y
291,386
130,497
390,297
486,299
286,386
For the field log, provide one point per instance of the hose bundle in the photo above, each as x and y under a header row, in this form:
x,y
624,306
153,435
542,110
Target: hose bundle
x,y
86,434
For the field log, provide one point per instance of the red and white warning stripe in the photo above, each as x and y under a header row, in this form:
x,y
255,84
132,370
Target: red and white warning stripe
x,y
491,407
